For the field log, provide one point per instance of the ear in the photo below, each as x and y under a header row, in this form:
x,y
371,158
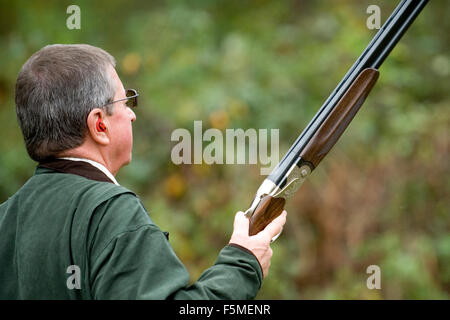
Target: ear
x,y
99,136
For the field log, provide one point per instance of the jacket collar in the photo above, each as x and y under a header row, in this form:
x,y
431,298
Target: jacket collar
x,y
80,168
99,166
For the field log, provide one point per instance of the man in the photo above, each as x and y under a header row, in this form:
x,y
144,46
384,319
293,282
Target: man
x,y
72,232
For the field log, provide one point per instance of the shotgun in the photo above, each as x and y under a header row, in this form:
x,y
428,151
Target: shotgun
x,y
328,124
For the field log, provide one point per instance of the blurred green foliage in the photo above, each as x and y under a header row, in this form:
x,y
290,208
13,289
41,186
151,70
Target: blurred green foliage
x,y
380,197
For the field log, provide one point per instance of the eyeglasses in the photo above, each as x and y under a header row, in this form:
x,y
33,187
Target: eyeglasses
x,y
131,98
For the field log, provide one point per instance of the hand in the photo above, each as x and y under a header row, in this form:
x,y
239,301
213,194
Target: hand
x,y
259,244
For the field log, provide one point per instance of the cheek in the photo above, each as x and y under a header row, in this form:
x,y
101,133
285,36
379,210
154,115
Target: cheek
x,y
123,146
126,136
123,136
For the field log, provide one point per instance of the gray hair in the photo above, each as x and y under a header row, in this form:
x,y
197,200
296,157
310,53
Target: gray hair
x,y
55,91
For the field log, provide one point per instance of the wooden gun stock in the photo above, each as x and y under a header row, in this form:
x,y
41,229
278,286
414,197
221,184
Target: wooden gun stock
x,y
339,119
268,209
320,143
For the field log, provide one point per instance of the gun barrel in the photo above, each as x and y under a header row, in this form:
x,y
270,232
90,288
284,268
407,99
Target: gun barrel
x,y
372,57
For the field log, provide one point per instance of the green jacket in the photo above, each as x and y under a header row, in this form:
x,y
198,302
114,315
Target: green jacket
x,y
68,236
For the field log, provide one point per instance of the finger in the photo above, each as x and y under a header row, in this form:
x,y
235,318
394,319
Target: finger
x,y
275,227
241,223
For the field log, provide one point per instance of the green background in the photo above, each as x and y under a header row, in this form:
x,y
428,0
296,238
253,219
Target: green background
x,y
380,197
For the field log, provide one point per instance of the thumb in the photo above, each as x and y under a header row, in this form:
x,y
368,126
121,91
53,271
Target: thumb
x,y
241,223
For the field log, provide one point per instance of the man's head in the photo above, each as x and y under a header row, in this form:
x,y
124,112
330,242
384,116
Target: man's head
x,y
62,92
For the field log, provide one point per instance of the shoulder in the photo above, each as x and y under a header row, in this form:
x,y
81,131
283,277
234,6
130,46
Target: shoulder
x,y
118,215
87,192
88,197
124,208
